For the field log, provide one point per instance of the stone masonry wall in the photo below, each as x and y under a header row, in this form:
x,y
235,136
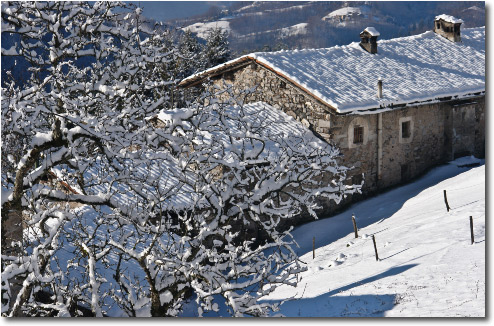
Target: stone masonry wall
x,y
280,94
468,128
439,133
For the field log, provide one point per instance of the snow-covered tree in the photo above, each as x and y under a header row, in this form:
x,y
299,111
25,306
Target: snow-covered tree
x,y
128,207
216,50
92,85
246,170
190,50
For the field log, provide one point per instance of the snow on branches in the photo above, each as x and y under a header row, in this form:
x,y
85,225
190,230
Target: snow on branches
x,y
127,206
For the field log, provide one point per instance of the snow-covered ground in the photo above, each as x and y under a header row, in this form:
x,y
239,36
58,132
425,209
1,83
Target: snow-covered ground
x,y
298,29
427,268
202,29
294,30
346,11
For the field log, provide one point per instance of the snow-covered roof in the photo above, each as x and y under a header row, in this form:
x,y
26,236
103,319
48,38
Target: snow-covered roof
x,y
449,19
270,123
372,31
413,69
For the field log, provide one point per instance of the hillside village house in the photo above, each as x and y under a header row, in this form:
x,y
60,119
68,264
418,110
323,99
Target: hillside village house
x,y
395,108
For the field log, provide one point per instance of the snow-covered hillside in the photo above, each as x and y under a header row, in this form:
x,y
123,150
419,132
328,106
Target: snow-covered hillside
x,y
262,24
427,268
202,29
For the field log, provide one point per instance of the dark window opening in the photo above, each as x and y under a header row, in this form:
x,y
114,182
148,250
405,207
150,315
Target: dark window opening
x,y
282,84
405,129
229,76
438,25
357,179
358,134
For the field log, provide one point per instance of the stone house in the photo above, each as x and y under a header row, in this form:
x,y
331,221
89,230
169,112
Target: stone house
x,y
395,108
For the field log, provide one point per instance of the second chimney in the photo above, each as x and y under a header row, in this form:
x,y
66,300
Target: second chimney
x,y
368,39
379,88
448,27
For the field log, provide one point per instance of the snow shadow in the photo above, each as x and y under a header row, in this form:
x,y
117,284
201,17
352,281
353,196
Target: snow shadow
x,y
390,272
327,230
331,304
368,305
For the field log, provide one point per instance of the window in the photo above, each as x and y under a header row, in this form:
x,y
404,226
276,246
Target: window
x,y
357,179
229,76
358,134
405,129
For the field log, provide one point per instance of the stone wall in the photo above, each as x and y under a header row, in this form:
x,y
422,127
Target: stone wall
x,y
386,156
438,133
280,94
468,128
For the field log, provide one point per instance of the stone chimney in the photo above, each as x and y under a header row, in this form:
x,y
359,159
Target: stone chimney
x,y
368,39
448,27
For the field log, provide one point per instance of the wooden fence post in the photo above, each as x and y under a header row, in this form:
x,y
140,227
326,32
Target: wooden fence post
x,y
471,229
446,201
375,247
355,226
313,247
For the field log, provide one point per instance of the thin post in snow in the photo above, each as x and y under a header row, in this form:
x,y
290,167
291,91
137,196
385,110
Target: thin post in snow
x,y
375,247
313,247
471,230
446,201
355,226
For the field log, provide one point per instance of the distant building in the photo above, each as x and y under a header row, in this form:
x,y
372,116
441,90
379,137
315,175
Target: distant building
x,y
395,108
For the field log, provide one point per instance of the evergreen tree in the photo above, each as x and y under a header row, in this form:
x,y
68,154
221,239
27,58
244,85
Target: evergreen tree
x,y
190,60
217,49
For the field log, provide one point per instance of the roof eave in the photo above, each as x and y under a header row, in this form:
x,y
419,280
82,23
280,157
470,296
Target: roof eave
x,y
234,64
393,106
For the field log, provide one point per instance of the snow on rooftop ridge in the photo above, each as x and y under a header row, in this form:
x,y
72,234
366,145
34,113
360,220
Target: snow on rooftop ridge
x,y
372,31
449,19
218,67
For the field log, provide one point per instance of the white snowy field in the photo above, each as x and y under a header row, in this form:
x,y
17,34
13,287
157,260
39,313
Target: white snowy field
x,y
202,29
427,268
